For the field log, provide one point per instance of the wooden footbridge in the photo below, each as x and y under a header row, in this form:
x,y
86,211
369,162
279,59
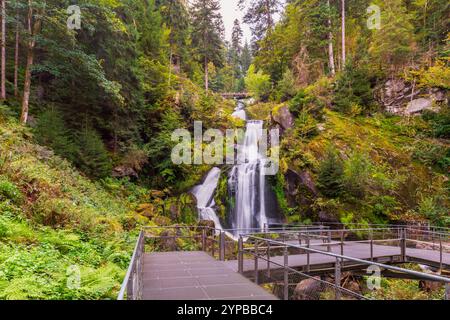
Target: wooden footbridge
x,y
235,95
231,264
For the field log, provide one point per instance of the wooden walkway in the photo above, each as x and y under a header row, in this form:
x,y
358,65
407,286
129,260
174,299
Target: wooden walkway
x,y
195,276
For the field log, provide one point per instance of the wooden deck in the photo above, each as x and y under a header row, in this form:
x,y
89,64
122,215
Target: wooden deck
x,y
195,276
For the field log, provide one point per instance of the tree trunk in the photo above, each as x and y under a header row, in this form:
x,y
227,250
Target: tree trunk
x,y
206,75
330,45
16,60
344,58
3,64
33,30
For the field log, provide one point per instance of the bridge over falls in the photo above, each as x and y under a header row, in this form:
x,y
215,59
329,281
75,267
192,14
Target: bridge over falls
x,y
301,262
235,95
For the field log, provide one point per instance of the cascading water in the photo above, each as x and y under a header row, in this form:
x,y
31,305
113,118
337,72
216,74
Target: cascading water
x,y
247,183
254,204
251,203
204,194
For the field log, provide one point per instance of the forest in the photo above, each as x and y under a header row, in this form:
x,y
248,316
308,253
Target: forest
x,y
92,90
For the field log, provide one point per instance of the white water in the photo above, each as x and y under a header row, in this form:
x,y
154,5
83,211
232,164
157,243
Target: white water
x,y
239,112
248,183
204,194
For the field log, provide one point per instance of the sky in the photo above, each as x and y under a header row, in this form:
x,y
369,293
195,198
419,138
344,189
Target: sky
x,y
230,12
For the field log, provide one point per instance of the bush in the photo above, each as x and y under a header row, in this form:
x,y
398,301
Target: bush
x,y
9,191
331,174
440,122
51,131
305,102
286,86
357,173
93,159
258,84
353,91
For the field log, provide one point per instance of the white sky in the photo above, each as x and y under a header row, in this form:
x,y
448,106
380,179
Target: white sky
x,y
230,12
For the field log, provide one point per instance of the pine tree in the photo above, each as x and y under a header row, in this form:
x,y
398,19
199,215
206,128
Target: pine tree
x,y
176,18
51,131
331,174
236,36
207,33
392,45
246,58
260,16
353,88
93,158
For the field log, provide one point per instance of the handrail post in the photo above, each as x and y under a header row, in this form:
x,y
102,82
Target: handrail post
x,y
268,259
286,274
371,245
241,255
203,239
403,244
222,246
337,279
256,262
307,254
329,241
447,291
342,243
440,253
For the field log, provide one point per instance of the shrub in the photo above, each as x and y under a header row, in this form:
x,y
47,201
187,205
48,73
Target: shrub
x,y
93,158
353,88
51,131
286,86
9,191
357,170
305,102
258,83
331,174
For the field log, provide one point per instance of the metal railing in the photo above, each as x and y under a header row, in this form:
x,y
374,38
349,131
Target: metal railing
x,y
260,251
224,245
132,284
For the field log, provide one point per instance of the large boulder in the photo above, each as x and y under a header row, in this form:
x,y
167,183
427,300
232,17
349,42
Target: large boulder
x,y
283,117
124,171
419,105
294,180
309,289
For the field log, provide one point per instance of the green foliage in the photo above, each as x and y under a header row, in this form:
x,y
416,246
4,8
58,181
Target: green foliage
x,y
357,173
51,131
434,209
9,191
93,158
353,91
331,174
432,154
286,88
258,83
392,44
440,122
305,102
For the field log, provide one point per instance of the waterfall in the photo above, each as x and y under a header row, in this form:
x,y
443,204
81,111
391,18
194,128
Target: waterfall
x,y
204,194
247,183
239,112
252,204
